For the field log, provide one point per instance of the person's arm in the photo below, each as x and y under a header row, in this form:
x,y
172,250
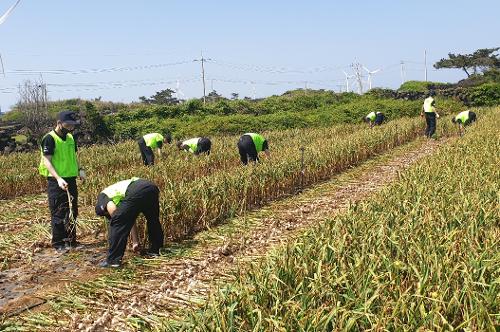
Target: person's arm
x,y
111,208
159,152
47,161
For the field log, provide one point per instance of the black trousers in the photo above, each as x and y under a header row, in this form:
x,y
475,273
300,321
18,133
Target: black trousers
x,y
148,157
430,119
142,196
247,150
471,119
63,229
379,119
204,145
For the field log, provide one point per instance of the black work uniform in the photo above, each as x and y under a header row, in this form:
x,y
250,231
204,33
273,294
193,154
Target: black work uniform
x,y
148,157
63,229
430,120
379,118
204,145
142,196
247,149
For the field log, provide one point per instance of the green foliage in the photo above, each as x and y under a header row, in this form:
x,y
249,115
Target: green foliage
x,y
485,95
481,59
163,97
421,86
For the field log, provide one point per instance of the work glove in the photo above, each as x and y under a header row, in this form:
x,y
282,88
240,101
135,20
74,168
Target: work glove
x,y
82,175
62,184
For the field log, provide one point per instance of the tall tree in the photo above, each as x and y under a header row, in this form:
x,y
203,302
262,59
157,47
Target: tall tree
x,y
163,97
482,59
33,106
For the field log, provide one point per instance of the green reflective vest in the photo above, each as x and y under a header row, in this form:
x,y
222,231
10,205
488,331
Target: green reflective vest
x,y
192,143
371,116
258,140
428,108
64,158
153,139
462,117
116,192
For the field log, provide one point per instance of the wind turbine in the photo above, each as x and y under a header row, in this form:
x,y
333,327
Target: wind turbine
x,y
178,92
370,73
347,77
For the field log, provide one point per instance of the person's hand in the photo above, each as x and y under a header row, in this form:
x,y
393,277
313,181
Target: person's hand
x,y
437,115
62,184
82,175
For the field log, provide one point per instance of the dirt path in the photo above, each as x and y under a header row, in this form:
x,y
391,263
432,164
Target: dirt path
x,y
175,282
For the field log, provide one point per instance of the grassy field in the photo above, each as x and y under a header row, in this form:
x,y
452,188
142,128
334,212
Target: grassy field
x,y
421,255
199,192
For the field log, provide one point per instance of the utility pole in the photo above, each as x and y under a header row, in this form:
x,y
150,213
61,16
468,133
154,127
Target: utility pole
x,y
202,60
425,64
403,73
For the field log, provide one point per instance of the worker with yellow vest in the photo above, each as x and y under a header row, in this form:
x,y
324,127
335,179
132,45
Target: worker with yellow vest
x,y
429,111
249,146
463,119
196,145
121,203
374,118
149,142
59,164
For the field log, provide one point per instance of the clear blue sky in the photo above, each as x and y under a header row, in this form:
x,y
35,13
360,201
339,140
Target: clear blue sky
x,y
278,45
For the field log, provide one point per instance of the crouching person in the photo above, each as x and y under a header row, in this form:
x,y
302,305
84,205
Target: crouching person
x,y
121,203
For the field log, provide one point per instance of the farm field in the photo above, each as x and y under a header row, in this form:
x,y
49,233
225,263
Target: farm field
x,y
231,229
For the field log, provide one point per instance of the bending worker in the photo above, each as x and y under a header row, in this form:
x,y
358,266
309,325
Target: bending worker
x,y
197,145
374,118
121,203
59,164
250,145
463,119
429,110
149,142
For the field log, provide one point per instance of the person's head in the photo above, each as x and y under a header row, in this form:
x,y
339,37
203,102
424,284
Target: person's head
x,y
167,138
432,93
366,119
453,120
101,207
179,145
67,121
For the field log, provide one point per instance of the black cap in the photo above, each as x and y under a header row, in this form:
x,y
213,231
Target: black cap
x,y
68,117
102,202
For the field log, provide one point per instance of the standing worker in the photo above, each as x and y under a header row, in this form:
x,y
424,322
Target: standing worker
x,y
59,164
121,203
250,145
374,118
196,145
429,110
149,142
463,119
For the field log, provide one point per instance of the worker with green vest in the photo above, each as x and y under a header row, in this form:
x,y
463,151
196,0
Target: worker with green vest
x,y
59,164
196,145
429,111
374,118
149,142
249,146
463,119
121,203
